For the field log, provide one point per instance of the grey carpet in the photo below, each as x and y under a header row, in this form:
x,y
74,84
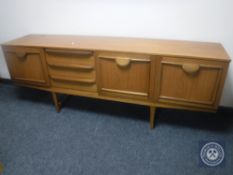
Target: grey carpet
x,y
99,137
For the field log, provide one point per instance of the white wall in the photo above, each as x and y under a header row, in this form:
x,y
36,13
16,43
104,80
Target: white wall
x,y
201,20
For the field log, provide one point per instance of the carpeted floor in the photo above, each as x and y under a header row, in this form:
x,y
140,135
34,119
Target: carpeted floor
x,y
90,137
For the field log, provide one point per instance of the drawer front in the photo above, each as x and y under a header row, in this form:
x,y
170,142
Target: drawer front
x,y
27,65
124,75
72,72
62,79
190,82
69,57
72,69
82,85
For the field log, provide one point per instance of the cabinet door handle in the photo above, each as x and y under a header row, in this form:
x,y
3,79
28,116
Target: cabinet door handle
x,y
123,62
191,68
21,54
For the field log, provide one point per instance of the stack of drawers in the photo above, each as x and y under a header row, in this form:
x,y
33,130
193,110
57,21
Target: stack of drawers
x,y
72,69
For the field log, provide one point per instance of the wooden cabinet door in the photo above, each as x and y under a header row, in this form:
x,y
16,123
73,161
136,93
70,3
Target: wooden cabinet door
x,y
27,65
190,82
124,75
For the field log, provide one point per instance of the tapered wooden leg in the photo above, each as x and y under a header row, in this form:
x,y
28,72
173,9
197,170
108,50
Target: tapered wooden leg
x,y
152,117
1,168
56,102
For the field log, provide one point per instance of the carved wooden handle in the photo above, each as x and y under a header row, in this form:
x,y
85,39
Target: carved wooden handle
x,y
21,54
123,62
190,68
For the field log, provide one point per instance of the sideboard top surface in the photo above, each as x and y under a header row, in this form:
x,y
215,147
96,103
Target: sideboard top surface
x,y
132,45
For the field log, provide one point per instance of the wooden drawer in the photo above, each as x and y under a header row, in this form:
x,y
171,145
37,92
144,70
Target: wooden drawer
x,y
72,72
69,58
27,65
191,82
71,69
73,79
75,84
124,75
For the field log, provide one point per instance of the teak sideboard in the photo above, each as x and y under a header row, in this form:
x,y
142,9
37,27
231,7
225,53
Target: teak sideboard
x,y
155,73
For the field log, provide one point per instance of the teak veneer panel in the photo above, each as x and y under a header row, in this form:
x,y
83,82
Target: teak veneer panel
x,y
27,65
124,74
178,85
